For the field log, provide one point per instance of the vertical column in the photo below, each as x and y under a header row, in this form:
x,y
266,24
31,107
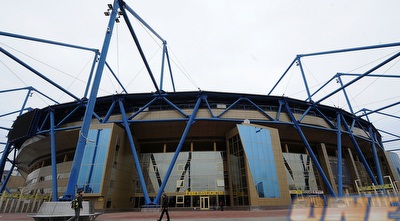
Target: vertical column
x,y
80,147
324,160
53,158
351,164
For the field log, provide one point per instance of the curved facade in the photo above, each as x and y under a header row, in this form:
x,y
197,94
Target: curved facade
x,y
244,150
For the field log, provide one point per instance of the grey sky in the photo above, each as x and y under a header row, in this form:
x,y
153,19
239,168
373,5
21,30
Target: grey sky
x,y
216,45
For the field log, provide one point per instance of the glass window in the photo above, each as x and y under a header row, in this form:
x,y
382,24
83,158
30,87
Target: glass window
x,y
259,152
94,159
193,172
300,172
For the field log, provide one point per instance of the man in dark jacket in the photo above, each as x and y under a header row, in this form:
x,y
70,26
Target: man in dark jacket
x,y
78,208
164,204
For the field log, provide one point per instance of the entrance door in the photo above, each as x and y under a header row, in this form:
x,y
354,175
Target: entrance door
x,y
204,202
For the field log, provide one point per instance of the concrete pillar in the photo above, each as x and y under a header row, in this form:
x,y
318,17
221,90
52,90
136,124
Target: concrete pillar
x,y
324,161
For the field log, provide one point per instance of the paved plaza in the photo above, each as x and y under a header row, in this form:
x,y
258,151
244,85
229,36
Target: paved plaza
x,y
211,215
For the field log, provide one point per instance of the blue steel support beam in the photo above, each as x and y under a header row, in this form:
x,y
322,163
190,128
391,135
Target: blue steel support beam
x,y
345,95
134,153
259,109
178,149
143,108
353,49
358,150
73,179
53,157
228,108
367,112
124,5
109,112
162,66
165,55
4,183
375,154
339,157
46,41
30,89
175,107
6,151
361,76
283,75
170,69
136,40
310,151
91,74
116,78
69,114
304,78
25,101
209,107
37,73
379,109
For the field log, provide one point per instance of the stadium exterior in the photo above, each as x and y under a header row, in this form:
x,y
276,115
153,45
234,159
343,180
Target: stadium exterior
x,y
202,148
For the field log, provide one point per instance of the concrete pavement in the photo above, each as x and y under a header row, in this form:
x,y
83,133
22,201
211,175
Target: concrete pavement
x,y
211,215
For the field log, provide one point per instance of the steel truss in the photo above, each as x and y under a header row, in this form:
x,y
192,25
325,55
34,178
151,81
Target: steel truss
x,y
343,125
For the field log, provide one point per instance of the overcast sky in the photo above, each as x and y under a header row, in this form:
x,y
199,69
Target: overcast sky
x,y
215,45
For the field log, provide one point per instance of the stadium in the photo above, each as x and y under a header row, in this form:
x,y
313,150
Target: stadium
x,y
202,148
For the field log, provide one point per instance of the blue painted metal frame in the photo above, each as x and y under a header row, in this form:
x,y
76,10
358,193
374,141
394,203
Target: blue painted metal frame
x,y
339,156
189,119
358,150
134,153
53,157
310,151
178,149
375,156
70,191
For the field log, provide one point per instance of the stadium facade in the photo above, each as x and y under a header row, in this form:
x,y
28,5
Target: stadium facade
x,y
199,147
202,148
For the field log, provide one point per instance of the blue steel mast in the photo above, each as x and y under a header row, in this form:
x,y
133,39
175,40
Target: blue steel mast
x,y
70,191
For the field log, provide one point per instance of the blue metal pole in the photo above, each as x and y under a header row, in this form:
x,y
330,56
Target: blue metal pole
x,y
353,49
379,109
375,154
142,21
46,41
304,78
283,75
37,73
162,67
339,156
178,149
7,178
358,150
3,160
170,69
116,78
361,76
53,157
345,95
91,73
143,108
134,153
109,112
25,101
73,179
136,40
312,155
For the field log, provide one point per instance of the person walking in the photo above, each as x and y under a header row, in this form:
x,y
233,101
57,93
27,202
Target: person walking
x,y
164,204
221,204
77,207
